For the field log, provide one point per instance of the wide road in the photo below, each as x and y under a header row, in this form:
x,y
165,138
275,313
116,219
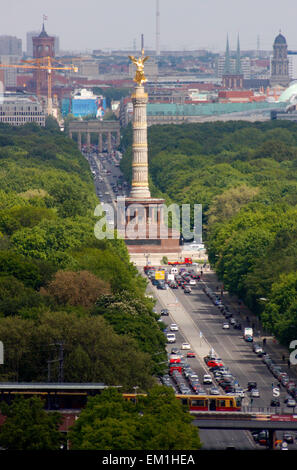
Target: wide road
x,y
236,353
200,312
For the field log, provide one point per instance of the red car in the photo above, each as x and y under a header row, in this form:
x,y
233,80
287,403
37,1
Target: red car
x,y
214,363
191,354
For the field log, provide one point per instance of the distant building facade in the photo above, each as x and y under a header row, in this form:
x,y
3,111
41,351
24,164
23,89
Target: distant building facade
x,y
10,54
280,62
29,43
18,109
10,45
9,75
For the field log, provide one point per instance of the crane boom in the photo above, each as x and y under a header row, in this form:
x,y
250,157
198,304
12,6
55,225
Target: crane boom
x,y
41,66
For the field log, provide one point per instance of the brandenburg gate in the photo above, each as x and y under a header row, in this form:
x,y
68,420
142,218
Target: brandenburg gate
x,y
102,129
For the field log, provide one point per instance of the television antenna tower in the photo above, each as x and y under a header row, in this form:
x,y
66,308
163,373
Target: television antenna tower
x,y
157,28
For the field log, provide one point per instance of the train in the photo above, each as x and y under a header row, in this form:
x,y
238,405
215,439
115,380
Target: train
x,y
74,396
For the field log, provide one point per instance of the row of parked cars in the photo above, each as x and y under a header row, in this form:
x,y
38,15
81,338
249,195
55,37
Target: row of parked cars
x,y
281,376
284,380
224,309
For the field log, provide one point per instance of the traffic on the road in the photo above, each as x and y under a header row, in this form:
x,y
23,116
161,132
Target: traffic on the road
x,y
237,364
236,372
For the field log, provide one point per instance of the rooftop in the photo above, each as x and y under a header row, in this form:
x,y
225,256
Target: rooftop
x,y
280,39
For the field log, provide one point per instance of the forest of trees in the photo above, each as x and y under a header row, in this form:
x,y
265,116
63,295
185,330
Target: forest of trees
x,y
245,176
58,283
61,286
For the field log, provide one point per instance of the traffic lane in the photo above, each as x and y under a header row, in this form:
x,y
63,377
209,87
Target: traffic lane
x,y
224,438
246,366
212,339
235,353
196,363
254,360
214,439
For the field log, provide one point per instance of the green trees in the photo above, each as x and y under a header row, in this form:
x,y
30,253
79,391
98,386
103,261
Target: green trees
x,y
134,317
28,427
103,355
156,422
280,311
244,175
53,270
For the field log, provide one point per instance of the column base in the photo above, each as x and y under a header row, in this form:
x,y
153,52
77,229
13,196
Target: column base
x,y
140,193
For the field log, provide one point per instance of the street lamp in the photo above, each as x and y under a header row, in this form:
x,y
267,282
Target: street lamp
x,y
147,255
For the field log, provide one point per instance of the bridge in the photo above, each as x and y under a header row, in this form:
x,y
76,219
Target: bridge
x,y
246,421
101,129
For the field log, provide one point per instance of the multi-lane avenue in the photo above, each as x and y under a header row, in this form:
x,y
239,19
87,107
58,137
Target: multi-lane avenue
x,y
200,323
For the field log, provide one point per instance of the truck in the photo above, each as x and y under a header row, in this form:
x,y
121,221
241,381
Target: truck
x,y
187,261
248,334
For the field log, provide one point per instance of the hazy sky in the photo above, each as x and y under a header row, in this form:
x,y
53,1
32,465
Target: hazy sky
x,y
184,24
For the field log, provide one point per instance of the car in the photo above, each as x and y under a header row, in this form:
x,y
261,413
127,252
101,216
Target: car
x,y
174,351
275,402
228,315
226,326
173,327
257,348
185,346
191,354
213,363
284,380
255,393
162,286
173,285
251,385
240,392
165,312
171,338
194,376
174,358
207,379
165,379
261,437
188,372
237,326
187,290
291,402
288,437
192,282
214,391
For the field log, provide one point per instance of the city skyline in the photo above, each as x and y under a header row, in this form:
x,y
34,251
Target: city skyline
x,y
192,24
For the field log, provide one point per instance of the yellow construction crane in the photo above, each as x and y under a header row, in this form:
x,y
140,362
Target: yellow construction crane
x,y
43,63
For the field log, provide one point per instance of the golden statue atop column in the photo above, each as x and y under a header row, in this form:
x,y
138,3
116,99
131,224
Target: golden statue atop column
x,y
139,76
143,223
140,184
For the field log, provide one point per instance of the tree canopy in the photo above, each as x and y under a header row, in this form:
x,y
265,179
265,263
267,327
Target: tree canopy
x,y
54,270
157,421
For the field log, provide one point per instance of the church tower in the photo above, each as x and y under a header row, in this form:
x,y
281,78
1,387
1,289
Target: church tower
x,y
43,46
232,78
280,62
